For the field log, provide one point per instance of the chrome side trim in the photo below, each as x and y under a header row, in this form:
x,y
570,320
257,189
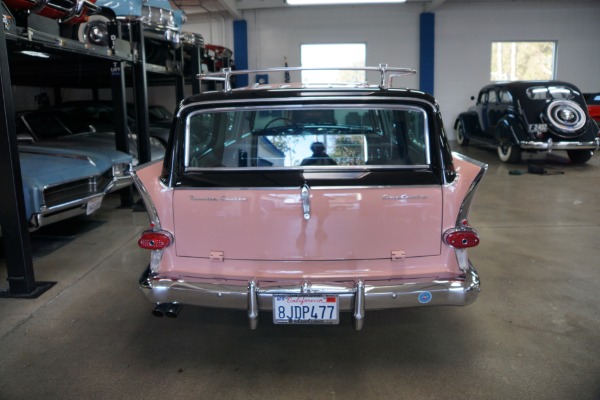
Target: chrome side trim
x,y
463,212
551,145
150,208
354,296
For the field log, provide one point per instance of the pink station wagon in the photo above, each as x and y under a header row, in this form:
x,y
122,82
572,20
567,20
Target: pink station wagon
x,y
305,201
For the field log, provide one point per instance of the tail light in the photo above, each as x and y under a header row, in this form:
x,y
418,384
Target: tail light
x,y
155,240
461,238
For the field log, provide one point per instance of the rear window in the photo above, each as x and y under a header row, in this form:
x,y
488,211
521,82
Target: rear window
x,y
313,137
550,92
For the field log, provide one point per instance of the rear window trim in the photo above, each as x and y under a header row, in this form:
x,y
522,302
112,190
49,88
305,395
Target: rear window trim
x,y
326,105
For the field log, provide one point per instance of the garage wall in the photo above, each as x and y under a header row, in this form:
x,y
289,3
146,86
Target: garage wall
x,y
464,33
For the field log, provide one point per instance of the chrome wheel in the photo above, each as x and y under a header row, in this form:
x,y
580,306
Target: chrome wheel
x,y
95,31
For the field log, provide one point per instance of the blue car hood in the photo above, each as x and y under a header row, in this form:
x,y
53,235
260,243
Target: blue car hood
x,y
102,161
40,170
103,142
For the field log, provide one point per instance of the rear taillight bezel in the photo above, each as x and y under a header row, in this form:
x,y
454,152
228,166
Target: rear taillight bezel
x,y
155,240
463,238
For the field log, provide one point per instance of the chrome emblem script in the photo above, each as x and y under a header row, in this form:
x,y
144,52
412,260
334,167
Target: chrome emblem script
x,y
404,197
222,198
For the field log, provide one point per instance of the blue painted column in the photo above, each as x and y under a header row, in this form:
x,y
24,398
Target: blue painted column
x,y
427,52
240,49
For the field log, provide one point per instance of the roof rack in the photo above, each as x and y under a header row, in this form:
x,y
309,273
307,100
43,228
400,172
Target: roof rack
x,y
386,73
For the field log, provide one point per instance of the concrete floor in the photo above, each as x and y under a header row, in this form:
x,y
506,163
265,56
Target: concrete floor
x,y
534,332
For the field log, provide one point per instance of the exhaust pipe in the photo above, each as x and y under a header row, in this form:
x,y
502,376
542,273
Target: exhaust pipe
x,y
169,310
173,310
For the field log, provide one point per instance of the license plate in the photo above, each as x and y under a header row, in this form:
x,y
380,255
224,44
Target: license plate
x,y
538,128
93,204
306,309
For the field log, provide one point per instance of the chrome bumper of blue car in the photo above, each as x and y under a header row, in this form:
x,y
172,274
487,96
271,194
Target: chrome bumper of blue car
x,y
552,145
50,215
354,296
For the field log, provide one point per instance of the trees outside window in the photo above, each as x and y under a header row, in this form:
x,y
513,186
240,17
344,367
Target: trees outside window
x,y
512,61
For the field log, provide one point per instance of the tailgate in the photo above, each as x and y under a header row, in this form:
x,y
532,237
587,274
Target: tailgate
x,y
269,224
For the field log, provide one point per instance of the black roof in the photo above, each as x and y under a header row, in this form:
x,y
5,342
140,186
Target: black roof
x,y
516,87
262,94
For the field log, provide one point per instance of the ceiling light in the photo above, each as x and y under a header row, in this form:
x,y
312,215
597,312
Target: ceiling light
x,y
33,53
328,2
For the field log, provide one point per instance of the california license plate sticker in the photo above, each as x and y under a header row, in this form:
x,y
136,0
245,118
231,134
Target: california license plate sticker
x,y
306,309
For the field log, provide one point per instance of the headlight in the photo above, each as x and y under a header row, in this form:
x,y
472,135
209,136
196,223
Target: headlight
x,y
121,169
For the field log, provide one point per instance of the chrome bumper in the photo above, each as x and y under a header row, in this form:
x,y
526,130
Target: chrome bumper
x,y
551,145
73,208
120,183
61,212
354,296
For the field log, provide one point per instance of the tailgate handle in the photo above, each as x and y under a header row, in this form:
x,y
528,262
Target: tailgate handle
x,y
305,196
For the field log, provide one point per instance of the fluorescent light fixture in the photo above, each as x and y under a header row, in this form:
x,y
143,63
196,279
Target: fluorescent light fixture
x,y
329,2
33,53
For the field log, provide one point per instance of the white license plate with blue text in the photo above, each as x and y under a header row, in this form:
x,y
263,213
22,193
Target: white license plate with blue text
x,y
306,309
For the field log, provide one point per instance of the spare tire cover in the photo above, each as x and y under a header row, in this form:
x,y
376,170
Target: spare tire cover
x,y
566,118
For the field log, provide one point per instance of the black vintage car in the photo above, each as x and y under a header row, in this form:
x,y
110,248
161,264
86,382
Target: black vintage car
x,y
530,116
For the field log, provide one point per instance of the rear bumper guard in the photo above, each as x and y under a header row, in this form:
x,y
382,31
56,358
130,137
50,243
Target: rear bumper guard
x,y
354,296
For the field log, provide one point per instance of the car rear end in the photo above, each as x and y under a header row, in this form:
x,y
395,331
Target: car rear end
x,y
246,214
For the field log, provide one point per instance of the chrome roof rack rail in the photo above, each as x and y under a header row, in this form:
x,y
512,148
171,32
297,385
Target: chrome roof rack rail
x,y
385,82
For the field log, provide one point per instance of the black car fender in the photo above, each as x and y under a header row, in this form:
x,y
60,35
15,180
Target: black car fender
x,y
470,122
509,130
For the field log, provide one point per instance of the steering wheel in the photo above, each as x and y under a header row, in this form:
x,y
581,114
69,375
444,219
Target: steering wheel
x,y
290,122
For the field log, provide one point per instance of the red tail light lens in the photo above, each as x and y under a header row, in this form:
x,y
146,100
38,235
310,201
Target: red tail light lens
x,y
461,239
152,240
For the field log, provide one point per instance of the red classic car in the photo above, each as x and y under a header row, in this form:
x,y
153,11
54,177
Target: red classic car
x,y
593,105
305,201
65,11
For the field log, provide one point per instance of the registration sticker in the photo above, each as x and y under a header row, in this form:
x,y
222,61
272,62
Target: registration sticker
x,y
306,309
93,205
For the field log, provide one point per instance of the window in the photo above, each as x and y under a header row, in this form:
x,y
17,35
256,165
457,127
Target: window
x,y
308,137
505,97
512,61
333,56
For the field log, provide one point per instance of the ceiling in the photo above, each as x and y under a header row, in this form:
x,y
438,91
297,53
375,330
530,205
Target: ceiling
x,y
234,8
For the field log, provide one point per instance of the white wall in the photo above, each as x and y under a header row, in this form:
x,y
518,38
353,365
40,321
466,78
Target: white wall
x,y
464,33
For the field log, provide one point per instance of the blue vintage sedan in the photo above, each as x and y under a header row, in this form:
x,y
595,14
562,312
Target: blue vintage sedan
x,y
121,162
62,185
